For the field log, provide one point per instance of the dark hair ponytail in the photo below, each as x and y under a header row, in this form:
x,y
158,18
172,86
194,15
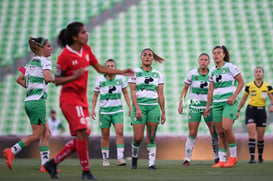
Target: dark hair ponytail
x,y
225,51
36,44
66,34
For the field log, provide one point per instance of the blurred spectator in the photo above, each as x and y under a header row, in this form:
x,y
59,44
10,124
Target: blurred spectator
x,y
55,124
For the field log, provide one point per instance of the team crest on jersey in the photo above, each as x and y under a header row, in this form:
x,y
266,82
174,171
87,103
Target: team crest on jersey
x,y
224,71
117,82
154,75
87,58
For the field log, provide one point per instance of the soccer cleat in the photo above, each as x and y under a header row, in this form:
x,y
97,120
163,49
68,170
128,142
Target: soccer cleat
x,y
152,167
216,160
87,175
251,161
9,157
105,163
121,162
186,163
51,166
218,165
42,169
231,162
134,163
260,160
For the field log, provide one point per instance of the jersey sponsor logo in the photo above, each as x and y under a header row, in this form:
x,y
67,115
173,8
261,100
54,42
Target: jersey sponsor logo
x,y
204,84
148,80
74,62
112,89
48,65
218,78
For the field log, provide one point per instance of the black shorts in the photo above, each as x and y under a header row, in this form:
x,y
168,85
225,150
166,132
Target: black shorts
x,y
256,115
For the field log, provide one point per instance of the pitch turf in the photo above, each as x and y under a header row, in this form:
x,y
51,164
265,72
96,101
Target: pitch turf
x,y
28,169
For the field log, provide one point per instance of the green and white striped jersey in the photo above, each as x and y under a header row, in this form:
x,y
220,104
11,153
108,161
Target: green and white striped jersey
x,y
224,81
199,86
110,93
146,85
35,79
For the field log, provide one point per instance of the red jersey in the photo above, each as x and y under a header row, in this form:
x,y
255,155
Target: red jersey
x,y
75,92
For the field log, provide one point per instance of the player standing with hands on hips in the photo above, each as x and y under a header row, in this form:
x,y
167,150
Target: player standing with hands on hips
x,y
223,91
72,73
255,115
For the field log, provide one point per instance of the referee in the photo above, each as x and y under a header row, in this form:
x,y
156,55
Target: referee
x,y
255,118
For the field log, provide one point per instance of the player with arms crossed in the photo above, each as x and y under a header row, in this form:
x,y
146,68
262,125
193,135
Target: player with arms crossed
x,y
72,73
110,88
198,82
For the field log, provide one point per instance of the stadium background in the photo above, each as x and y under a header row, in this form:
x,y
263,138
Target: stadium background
x,y
178,30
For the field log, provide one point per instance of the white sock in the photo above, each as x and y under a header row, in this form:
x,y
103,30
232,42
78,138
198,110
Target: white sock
x,y
16,148
105,154
151,154
120,153
44,156
135,150
189,147
232,150
222,155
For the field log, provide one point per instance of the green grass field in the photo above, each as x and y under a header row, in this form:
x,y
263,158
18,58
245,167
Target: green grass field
x,y
28,169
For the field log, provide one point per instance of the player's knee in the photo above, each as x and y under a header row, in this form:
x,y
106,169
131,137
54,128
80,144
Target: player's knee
x,y
193,133
47,134
222,134
138,139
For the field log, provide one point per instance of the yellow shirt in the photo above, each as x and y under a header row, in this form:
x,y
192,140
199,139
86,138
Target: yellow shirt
x,y
257,94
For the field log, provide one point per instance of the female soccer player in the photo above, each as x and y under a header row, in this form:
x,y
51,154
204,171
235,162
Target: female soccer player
x,y
34,77
110,87
72,72
224,92
146,88
198,82
255,116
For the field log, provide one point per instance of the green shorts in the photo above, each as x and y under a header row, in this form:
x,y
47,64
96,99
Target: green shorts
x,y
195,115
36,111
224,110
150,113
107,119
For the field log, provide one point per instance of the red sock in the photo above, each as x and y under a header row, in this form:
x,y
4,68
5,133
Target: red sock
x,y
67,150
82,150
